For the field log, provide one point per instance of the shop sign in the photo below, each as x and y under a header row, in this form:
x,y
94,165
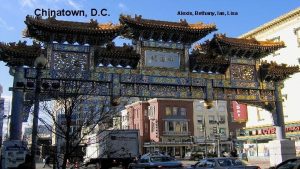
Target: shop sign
x,y
240,113
272,130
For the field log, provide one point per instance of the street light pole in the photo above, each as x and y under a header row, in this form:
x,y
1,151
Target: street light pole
x,y
7,126
39,64
218,129
218,139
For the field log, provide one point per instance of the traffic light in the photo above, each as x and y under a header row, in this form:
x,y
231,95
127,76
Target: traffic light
x,y
215,130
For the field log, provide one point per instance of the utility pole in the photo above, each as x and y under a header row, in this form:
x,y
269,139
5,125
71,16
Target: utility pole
x,y
205,141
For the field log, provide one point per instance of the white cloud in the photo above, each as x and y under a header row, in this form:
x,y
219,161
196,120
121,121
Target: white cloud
x,y
74,4
122,6
3,24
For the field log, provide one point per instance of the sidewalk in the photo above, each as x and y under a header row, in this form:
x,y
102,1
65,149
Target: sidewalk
x,y
39,165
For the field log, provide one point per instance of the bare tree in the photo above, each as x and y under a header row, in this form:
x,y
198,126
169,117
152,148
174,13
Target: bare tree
x,y
77,105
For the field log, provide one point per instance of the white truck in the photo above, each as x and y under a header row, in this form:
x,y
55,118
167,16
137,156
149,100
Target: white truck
x,y
112,148
13,153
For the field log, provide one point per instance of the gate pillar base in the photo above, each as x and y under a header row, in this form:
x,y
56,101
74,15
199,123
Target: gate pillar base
x,y
281,150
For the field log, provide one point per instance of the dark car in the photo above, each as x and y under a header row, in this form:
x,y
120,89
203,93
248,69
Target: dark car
x,y
222,163
152,161
293,163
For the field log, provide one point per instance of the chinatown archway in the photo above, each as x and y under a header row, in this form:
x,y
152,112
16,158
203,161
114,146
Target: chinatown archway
x,y
157,65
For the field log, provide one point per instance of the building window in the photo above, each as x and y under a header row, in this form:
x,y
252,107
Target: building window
x,y
177,126
152,127
297,32
199,119
170,126
168,111
184,126
145,112
146,127
222,119
211,119
175,110
222,131
183,111
151,111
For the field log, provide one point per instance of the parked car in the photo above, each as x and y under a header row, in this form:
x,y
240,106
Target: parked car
x,y
156,161
194,155
293,163
222,163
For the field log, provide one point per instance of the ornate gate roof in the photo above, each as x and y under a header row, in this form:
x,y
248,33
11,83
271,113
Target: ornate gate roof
x,y
219,69
163,30
50,29
15,54
240,47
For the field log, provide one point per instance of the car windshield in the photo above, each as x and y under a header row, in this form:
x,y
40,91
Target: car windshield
x,y
160,159
229,162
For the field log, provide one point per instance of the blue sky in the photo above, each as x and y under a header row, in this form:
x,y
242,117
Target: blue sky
x,y
251,13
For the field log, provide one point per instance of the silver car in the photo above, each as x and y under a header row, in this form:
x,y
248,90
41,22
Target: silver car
x,y
221,163
152,161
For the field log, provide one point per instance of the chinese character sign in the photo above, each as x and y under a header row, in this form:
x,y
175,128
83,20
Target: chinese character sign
x,y
240,113
162,59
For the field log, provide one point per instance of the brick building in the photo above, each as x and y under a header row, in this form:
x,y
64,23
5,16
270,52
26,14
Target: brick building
x,y
164,124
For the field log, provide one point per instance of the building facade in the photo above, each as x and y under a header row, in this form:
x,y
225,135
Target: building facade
x,y
137,118
259,130
164,124
211,125
180,126
6,117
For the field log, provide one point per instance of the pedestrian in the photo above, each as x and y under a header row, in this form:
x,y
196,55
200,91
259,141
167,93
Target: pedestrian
x,y
68,163
233,153
46,161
